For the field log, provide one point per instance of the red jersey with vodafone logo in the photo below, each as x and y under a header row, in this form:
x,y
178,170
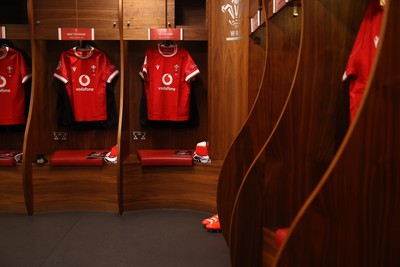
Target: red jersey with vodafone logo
x,y
85,74
167,72
14,72
362,54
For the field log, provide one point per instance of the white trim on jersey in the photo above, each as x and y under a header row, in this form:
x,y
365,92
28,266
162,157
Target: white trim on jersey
x,y
344,77
26,78
61,78
115,73
144,70
191,75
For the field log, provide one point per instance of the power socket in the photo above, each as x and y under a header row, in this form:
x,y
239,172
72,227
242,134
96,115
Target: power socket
x,y
59,136
139,136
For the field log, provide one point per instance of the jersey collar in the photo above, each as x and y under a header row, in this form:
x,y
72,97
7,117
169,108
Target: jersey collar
x,y
83,53
175,49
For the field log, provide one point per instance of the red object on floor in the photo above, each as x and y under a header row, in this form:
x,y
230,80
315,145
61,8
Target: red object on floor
x,y
210,219
214,226
164,157
75,158
280,236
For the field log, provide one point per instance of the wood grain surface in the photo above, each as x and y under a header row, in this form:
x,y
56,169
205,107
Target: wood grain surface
x,y
306,137
185,187
282,34
227,98
352,216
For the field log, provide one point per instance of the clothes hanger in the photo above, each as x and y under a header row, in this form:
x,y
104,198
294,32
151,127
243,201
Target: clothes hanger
x,y
84,47
5,44
3,50
83,50
168,43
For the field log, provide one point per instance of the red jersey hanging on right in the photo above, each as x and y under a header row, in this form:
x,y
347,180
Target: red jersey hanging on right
x,y
362,54
167,72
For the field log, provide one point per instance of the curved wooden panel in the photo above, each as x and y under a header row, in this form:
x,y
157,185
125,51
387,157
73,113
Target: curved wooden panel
x,y
305,139
283,40
353,216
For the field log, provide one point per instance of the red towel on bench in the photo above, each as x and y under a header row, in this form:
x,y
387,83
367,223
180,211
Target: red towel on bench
x,y
75,158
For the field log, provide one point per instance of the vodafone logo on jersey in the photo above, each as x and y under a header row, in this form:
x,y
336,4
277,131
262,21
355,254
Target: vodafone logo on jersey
x,y
84,81
167,80
3,83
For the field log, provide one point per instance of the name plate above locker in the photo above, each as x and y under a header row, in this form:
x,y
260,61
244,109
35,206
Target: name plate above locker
x,y
165,34
75,34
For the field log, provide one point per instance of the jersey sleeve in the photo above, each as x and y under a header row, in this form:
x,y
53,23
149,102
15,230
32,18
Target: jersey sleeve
x,y
25,70
144,70
111,70
61,71
191,69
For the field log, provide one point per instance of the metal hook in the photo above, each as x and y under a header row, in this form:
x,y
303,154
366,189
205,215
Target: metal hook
x,y
295,10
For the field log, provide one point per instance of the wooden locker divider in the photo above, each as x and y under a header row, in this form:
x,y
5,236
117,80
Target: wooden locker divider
x,y
352,218
306,137
282,37
12,138
123,152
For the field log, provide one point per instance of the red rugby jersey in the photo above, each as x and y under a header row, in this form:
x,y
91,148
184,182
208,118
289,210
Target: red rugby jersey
x,y
167,72
14,72
362,55
85,74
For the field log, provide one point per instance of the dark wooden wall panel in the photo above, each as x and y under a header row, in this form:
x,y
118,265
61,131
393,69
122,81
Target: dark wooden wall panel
x,y
352,217
283,39
14,12
306,137
227,94
49,15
